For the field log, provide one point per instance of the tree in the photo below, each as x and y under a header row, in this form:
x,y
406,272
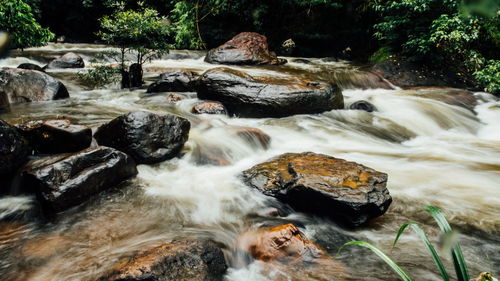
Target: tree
x,y
143,33
16,18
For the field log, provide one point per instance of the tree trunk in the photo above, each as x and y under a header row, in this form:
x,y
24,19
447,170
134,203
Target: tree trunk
x,y
135,71
125,79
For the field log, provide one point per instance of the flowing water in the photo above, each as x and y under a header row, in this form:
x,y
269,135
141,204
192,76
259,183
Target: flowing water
x,y
434,153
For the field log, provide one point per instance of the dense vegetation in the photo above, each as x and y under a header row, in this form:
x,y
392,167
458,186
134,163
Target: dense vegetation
x,y
457,34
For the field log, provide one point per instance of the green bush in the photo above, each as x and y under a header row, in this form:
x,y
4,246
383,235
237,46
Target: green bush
x,y
99,77
489,77
16,18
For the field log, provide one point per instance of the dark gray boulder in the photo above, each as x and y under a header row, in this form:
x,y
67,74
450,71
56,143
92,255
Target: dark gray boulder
x,y
30,66
56,136
147,137
68,60
363,105
14,149
344,191
189,260
175,80
22,85
4,102
66,180
247,96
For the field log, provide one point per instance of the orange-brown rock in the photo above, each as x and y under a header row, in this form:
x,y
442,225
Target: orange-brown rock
x,y
246,48
179,260
209,108
173,98
284,243
255,137
344,191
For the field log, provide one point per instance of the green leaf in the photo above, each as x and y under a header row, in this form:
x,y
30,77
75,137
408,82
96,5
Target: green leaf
x,y
425,239
383,256
457,255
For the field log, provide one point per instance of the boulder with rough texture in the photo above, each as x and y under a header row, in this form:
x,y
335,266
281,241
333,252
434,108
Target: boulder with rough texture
x,y
68,60
23,85
147,137
56,136
344,191
176,80
280,243
30,66
14,149
209,108
246,48
4,102
191,260
174,98
363,105
66,180
247,96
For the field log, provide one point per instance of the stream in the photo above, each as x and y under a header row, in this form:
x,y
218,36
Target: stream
x,y
434,153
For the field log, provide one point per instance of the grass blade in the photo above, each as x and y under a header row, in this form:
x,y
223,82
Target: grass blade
x,y
457,255
383,256
421,234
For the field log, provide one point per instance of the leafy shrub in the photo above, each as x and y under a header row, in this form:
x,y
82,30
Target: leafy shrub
x,y
489,77
99,77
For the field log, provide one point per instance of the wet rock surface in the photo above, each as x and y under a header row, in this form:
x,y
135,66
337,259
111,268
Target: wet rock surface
x,y
68,60
56,136
255,137
246,48
30,66
246,96
191,260
176,80
174,98
361,80
4,102
66,180
14,150
23,85
147,137
344,191
209,108
363,105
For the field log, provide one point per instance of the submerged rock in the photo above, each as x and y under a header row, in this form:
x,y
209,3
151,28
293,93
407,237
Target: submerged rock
x,y
361,80
176,80
344,191
255,137
192,260
147,137
30,66
4,102
63,181
209,108
23,85
174,98
283,243
68,60
246,48
56,136
246,96
363,105
14,150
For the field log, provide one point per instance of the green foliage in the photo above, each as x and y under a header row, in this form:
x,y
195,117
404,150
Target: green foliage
x,y
456,251
99,77
144,32
489,77
382,54
17,19
186,33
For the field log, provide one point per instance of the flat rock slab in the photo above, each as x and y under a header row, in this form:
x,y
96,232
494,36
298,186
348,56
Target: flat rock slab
x,y
191,260
23,85
247,96
323,185
149,138
56,136
63,181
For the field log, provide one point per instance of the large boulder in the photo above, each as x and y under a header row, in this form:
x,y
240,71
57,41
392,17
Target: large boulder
x,y
248,96
14,149
246,48
344,191
68,60
175,80
22,85
63,181
56,136
191,260
147,137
